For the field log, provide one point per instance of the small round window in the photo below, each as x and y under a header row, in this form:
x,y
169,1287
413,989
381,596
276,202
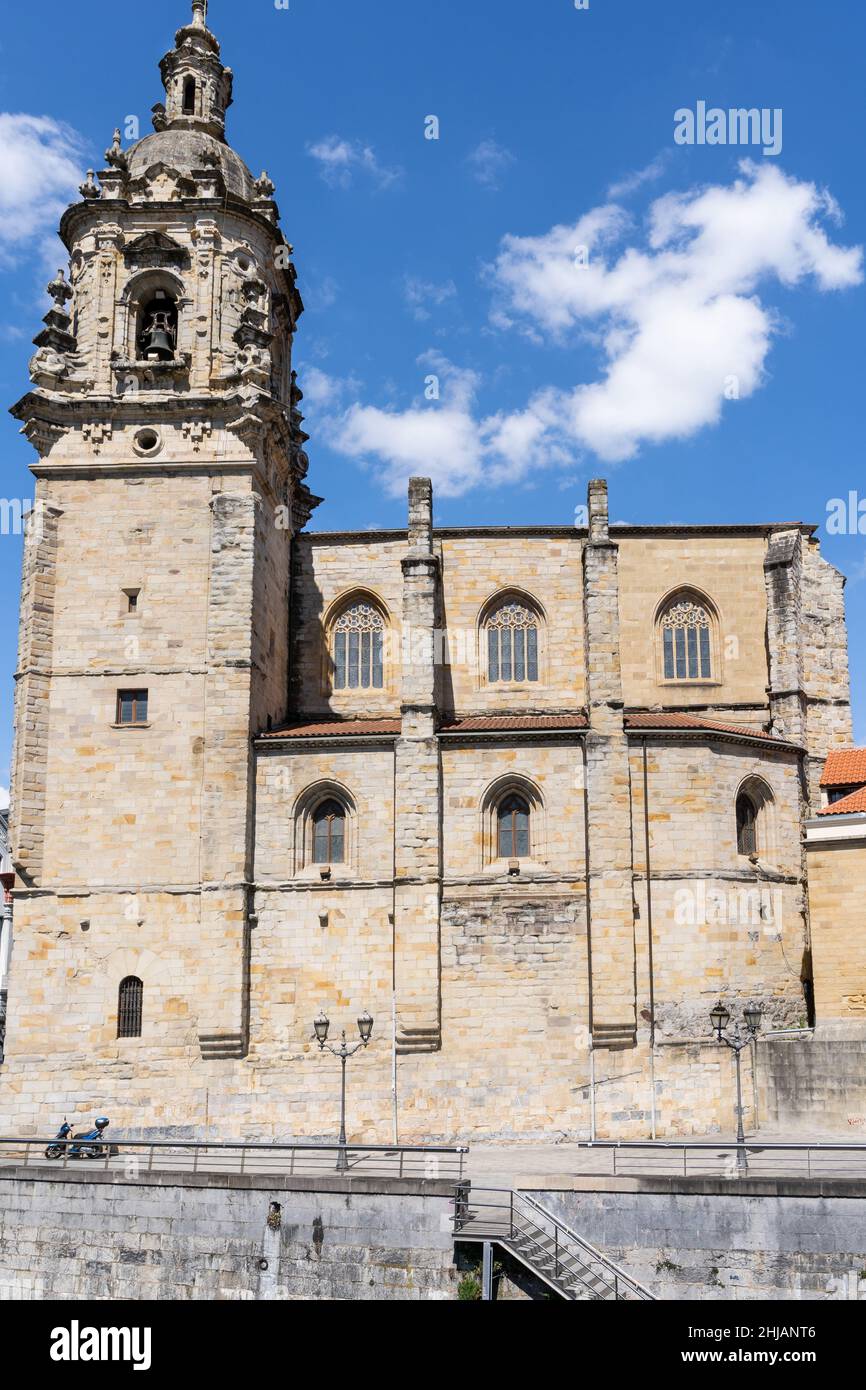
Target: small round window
x,y
147,442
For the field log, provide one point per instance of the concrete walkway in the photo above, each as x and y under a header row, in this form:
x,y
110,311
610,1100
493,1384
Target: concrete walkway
x,y
564,1166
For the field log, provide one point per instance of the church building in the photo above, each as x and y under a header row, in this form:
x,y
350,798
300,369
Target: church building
x,y
534,796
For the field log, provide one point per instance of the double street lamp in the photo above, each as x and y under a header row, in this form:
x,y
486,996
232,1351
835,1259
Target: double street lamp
x,y
344,1052
720,1018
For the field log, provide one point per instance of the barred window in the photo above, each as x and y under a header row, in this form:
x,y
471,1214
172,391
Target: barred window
x,y
358,649
512,644
132,707
129,1003
686,629
513,816
747,825
329,833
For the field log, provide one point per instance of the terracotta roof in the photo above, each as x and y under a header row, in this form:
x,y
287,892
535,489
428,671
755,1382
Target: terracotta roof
x,y
337,728
691,722
848,806
508,723
845,767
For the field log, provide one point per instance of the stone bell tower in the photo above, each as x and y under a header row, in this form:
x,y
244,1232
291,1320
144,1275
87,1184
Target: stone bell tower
x,y
154,628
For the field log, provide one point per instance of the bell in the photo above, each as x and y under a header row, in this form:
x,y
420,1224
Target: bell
x,y
156,338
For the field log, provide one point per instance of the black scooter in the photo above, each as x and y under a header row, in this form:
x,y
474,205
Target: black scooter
x,y
87,1144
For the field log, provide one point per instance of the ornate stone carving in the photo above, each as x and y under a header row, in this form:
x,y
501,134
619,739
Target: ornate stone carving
x,y
90,189
114,155
265,186
48,366
42,434
154,249
97,433
197,431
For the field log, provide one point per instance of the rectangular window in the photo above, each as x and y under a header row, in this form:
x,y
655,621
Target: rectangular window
x,y
505,636
354,649
340,661
132,707
693,653
669,654
378,665
132,600
532,653
366,658
706,663
493,655
520,655
521,836
681,653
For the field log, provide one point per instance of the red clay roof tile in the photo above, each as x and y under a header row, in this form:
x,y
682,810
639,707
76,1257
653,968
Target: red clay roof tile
x,y
848,805
845,767
667,720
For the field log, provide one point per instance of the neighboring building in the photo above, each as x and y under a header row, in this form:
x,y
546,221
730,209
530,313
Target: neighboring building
x,y
7,881
836,855
535,796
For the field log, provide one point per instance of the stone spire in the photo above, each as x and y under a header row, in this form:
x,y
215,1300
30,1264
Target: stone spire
x,y
198,87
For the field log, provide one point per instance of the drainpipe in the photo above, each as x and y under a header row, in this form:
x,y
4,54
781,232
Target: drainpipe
x,y
649,915
396,1127
6,882
592,1134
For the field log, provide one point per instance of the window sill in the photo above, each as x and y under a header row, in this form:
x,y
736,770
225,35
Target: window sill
x,y
695,684
125,727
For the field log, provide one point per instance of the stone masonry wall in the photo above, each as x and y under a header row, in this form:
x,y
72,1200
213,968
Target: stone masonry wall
x,y
90,1239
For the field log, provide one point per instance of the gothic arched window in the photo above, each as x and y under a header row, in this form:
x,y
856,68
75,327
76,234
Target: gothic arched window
x,y
686,635
513,816
358,648
130,997
329,833
512,637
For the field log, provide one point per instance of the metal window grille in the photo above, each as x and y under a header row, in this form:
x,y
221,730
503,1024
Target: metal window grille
x,y
130,998
747,826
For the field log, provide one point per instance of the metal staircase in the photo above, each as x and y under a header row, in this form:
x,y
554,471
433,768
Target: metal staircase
x,y
549,1249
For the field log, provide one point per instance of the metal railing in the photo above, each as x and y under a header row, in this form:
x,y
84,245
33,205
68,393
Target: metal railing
x,y
708,1158
136,1158
546,1245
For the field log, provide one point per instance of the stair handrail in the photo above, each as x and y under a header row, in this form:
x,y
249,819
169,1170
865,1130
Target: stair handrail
x,y
606,1263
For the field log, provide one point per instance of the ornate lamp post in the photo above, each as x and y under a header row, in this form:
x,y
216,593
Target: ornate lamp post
x,y
344,1052
720,1018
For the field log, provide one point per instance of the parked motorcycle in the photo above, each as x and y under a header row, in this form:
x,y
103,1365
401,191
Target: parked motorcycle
x,y
87,1143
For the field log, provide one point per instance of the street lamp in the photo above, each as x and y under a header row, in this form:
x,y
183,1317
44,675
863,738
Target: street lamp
x,y
321,1025
720,1017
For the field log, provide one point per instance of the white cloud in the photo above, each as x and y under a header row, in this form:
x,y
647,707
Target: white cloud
x,y
444,439
680,318
340,160
321,391
488,162
40,170
419,294
674,319
632,182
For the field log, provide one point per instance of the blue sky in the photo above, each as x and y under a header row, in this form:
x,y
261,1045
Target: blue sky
x,y
422,257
